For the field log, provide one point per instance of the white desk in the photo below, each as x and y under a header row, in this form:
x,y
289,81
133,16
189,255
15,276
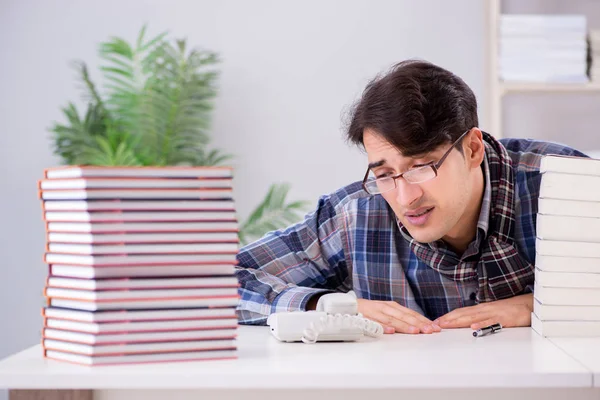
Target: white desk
x,y
451,363
584,350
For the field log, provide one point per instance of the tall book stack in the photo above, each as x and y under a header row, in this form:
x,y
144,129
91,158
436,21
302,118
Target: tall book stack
x,y
141,264
567,275
543,48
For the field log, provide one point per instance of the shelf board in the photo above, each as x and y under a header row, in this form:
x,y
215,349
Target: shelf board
x,y
524,87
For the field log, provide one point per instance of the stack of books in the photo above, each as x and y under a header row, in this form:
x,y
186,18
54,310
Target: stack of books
x,y
594,55
141,264
567,275
543,48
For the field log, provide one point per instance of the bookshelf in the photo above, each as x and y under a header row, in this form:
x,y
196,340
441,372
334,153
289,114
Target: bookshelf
x,y
498,90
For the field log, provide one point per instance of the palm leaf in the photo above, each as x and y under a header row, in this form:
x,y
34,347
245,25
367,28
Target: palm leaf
x,y
271,214
76,137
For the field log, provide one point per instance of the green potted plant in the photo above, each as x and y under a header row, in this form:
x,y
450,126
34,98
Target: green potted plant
x,y
155,109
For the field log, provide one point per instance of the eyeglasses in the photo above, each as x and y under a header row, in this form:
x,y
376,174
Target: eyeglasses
x,y
415,175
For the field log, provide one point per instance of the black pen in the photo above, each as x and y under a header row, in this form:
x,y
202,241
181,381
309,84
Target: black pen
x,y
487,330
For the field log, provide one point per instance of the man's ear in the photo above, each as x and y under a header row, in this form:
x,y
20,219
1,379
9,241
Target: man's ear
x,y
474,148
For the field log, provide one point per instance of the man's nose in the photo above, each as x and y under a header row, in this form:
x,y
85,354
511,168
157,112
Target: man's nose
x,y
407,193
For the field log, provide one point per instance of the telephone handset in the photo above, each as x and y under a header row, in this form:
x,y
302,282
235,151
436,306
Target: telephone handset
x,y
335,319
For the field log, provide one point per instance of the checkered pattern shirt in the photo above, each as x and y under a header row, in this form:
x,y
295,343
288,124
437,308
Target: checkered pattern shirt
x,y
352,241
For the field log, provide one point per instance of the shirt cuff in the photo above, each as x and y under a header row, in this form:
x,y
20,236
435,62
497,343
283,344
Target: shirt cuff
x,y
295,298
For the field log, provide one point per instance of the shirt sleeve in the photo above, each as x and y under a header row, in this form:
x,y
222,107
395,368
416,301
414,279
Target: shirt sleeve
x,y
284,269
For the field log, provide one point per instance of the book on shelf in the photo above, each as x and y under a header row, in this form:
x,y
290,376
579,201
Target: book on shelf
x,y
553,312
137,259
565,328
138,337
141,295
86,305
133,183
80,171
152,248
141,326
143,283
138,205
142,227
143,315
140,238
140,271
140,358
137,348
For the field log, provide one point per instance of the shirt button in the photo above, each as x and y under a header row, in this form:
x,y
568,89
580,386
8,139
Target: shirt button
x,y
473,296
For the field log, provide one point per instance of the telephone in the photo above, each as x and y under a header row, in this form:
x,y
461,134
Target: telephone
x,y
335,319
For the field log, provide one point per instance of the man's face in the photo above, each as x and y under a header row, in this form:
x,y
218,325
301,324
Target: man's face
x,y
429,210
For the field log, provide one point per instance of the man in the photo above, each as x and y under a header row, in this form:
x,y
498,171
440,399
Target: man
x,y
439,234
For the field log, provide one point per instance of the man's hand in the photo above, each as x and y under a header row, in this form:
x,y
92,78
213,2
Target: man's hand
x,y
512,312
395,318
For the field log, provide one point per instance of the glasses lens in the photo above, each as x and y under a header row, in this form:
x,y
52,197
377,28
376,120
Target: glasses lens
x,y
375,186
419,175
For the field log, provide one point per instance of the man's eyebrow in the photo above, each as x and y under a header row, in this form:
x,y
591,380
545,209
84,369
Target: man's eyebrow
x,y
376,164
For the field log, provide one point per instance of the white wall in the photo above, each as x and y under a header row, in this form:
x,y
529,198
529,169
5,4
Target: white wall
x,y
290,69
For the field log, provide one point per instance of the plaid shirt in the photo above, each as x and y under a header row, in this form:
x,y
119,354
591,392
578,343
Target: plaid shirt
x,y
352,241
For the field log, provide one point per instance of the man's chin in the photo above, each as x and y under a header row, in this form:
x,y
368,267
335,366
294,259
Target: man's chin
x,y
422,236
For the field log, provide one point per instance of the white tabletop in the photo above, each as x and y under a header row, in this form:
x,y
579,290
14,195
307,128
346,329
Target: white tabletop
x,y
584,350
513,358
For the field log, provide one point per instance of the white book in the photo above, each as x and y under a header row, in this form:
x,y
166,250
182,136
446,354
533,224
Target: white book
x,y
139,294
142,283
140,358
567,279
133,348
570,165
147,227
76,171
567,296
139,216
138,205
565,328
131,248
140,271
130,183
548,78
140,305
138,316
567,264
139,337
166,237
568,228
137,259
568,208
565,313
150,326
544,21
567,249
156,194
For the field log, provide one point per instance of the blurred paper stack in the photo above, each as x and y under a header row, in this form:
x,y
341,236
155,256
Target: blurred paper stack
x,y
594,41
141,264
567,276
543,48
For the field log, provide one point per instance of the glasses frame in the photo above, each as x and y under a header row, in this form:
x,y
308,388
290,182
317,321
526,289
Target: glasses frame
x,y
434,166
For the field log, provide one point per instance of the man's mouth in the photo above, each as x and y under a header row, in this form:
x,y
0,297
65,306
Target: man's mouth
x,y
419,216
418,212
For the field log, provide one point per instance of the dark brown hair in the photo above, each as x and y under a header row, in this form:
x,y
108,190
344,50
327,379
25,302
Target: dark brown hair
x,y
416,107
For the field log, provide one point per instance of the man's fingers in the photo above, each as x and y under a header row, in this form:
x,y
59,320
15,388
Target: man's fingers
x,y
409,318
389,329
413,313
464,321
397,324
